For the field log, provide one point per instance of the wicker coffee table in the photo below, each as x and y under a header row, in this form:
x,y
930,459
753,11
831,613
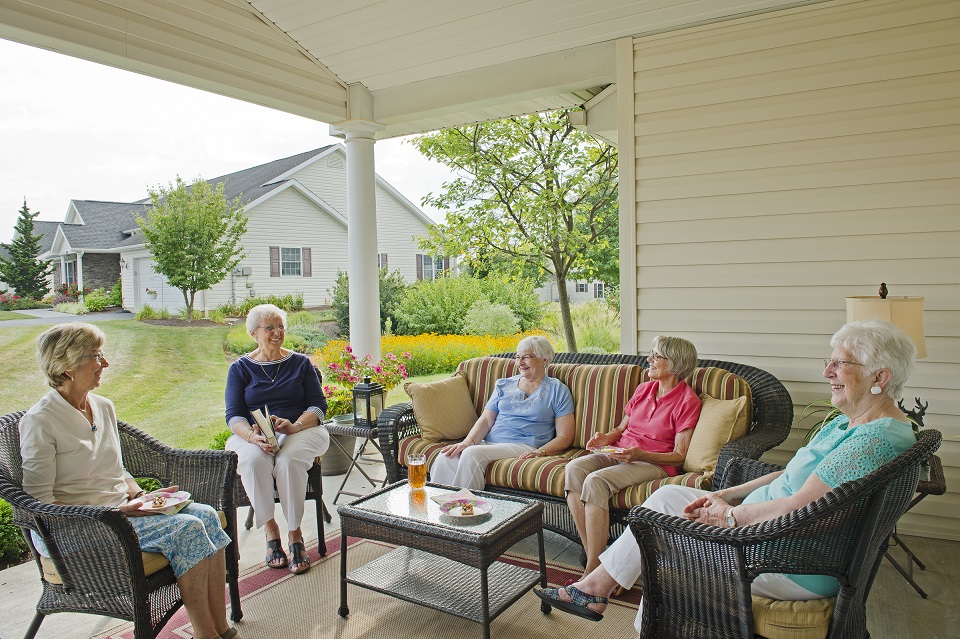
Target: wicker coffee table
x,y
442,562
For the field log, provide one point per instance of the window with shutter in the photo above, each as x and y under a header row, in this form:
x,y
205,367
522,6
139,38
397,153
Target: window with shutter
x,y
274,261
290,261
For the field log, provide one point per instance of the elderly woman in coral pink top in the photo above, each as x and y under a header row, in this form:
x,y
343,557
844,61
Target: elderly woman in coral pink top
x,y
650,443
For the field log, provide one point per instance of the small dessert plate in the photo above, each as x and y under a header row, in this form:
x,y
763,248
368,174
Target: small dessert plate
x,y
606,449
454,508
172,500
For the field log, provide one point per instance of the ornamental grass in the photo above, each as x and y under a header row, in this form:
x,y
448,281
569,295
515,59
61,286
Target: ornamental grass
x,y
431,353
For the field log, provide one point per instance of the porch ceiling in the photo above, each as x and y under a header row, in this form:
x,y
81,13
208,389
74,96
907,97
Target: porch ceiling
x,y
428,64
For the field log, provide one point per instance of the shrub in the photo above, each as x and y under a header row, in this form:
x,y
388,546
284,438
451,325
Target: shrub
x,y
69,293
220,439
392,288
217,316
291,302
96,300
149,312
12,545
11,302
116,294
441,306
73,308
594,324
343,367
485,318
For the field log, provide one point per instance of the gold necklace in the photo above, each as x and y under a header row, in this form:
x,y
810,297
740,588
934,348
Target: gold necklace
x,y
275,374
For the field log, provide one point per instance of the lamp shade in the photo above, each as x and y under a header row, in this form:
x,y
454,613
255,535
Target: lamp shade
x,y
904,312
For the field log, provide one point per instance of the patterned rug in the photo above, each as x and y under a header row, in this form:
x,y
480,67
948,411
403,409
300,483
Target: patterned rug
x,y
279,604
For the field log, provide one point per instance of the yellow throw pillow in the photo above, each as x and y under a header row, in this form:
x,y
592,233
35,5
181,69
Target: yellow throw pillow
x,y
444,409
721,420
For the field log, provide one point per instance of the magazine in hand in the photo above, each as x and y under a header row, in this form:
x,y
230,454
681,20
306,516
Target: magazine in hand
x,y
266,425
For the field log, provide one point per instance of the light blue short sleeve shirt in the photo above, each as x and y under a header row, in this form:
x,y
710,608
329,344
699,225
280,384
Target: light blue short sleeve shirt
x,y
523,419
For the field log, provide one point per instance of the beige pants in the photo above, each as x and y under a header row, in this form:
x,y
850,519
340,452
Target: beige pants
x,y
599,477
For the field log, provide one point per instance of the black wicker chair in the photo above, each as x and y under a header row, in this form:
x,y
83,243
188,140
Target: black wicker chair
x,y
95,550
772,420
696,581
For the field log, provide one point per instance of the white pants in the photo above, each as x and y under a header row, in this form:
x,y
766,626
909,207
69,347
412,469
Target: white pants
x,y
258,471
469,469
622,560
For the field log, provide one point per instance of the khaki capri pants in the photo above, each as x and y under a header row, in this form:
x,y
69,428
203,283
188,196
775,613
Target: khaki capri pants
x,y
599,477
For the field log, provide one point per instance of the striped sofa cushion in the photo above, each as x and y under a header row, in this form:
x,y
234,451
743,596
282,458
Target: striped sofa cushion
x,y
541,474
636,495
717,383
482,374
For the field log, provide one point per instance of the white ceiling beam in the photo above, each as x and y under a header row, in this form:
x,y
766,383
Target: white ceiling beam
x,y
540,76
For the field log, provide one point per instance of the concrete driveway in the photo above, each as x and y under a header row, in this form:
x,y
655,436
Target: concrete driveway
x,y
50,316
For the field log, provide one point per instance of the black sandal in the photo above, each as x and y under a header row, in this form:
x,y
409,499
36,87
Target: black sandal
x,y
298,554
275,553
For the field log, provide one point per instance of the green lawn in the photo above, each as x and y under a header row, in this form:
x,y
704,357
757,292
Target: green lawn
x,y
11,315
168,381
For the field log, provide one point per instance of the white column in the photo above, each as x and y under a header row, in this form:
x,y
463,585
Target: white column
x,y
362,237
80,275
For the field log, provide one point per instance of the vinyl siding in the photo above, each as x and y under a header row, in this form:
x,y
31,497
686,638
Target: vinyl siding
x,y
788,160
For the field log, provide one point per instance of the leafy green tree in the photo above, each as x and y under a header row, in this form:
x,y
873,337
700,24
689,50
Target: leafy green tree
x,y
23,270
531,188
193,233
392,287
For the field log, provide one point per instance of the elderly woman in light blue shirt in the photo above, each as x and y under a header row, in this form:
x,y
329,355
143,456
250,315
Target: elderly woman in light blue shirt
x,y
528,415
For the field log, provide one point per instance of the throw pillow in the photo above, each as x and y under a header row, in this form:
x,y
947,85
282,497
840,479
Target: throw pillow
x,y
444,409
720,421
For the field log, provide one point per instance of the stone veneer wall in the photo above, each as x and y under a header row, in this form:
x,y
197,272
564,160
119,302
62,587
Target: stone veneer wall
x,y
101,270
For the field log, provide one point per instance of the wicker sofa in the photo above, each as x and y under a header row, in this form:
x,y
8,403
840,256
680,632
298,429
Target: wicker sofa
x,y
601,385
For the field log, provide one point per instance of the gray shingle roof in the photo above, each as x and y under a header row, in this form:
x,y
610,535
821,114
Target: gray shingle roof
x,y
106,223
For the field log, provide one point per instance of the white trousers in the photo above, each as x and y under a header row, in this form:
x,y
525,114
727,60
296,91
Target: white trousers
x,y
622,560
288,468
469,469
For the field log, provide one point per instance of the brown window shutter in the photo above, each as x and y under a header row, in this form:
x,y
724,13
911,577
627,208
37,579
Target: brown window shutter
x,y
446,266
274,261
383,260
306,262
419,267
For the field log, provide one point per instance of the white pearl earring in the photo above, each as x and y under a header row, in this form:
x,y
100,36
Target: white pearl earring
x,y
875,390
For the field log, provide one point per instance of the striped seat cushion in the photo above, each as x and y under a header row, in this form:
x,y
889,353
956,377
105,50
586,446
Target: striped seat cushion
x,y
599,394
636,495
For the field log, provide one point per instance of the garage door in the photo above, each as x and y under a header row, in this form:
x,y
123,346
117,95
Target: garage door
x,y
154,290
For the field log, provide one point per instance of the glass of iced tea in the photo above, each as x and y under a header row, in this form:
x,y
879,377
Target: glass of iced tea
x,y
417,470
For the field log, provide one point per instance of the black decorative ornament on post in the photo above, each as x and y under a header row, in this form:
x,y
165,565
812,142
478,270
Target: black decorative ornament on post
x,y
368,399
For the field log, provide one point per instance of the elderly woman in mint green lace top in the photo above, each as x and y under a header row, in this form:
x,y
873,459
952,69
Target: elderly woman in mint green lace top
x,y
867,370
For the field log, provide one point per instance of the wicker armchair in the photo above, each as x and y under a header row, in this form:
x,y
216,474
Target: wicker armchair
x,y
696,580
771,422
99,568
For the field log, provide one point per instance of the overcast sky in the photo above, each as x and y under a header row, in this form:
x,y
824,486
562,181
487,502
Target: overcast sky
x,y
72,129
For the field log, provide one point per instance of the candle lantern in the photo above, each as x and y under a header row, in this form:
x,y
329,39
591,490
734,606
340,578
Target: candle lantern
x,y
368,399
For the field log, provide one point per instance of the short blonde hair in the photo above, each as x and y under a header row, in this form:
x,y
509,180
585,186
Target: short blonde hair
x,y
262,311
681,353
63,348
540,346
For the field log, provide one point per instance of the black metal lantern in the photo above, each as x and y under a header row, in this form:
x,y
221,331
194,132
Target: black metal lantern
x,y
368,399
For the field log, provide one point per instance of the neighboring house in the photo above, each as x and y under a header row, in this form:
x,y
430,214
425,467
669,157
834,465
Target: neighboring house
x,y
577,290
296,238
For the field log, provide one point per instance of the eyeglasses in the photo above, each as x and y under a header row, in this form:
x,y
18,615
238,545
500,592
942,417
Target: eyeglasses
x,y
524,358
272,328
838,363
97,356
656,357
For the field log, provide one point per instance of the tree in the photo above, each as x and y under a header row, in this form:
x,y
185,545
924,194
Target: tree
x,y
23,270
531,188
193,233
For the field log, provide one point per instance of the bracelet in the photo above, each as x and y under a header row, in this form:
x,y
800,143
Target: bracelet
x,y
137,495
542,452
300,424
251,435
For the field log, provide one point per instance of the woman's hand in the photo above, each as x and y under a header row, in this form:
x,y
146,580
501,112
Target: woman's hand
x,y
603,439
532,454
709,509
259,439
285,426
628,455
454,450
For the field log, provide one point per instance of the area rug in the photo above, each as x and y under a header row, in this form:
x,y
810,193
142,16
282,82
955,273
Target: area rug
x,y
279,604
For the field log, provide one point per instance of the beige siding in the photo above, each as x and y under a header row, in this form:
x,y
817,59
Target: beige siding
x,y
787,160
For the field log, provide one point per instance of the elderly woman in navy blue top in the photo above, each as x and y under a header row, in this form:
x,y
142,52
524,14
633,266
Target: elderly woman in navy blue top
x,y
528,415
287,383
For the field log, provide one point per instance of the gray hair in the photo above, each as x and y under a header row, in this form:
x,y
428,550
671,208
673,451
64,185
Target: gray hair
x,y
261,312
681,353
63,348
540,346
877,344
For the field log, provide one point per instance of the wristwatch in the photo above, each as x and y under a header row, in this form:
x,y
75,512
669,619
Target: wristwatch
x,y
731,520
